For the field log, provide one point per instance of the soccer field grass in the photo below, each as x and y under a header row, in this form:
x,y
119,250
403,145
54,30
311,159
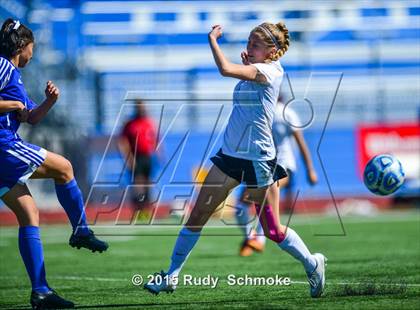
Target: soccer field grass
x,y
376,265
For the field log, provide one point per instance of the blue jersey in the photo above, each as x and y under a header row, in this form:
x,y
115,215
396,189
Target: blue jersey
x,y
11,88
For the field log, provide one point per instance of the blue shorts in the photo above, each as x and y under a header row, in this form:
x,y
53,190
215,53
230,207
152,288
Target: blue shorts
x,y
254,174
18,161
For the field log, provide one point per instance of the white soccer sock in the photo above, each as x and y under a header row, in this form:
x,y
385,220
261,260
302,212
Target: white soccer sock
x,y
295,246
260,233
183,246
242,217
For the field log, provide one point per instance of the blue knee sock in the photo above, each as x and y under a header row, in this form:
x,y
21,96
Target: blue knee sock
x,y
183,246
70,197
30,248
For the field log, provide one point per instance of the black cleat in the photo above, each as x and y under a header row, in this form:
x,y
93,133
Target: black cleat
x,y
49,300
89,242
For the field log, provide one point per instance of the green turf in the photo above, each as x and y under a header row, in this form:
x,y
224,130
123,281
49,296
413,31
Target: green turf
x,y
379,258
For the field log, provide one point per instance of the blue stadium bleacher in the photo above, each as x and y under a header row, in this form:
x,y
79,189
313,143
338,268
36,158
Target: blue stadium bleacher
x,y
96,32
148,46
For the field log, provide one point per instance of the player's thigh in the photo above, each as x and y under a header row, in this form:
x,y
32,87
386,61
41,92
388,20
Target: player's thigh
x,y
54,166
273,195
215,189
258,195
20,201
283,183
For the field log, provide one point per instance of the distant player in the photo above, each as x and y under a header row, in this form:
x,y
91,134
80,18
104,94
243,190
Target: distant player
x,y
138,143
286,130
247,155
20,161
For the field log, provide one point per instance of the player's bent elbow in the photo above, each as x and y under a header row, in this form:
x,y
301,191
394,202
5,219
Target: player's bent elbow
x,y
224,72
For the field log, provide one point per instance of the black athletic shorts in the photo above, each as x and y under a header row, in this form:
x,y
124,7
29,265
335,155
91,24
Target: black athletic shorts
x,y
254,174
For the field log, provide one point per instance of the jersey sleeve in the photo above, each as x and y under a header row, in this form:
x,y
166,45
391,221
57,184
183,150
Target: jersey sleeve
x,y
30,105
270,72
6,70
292,119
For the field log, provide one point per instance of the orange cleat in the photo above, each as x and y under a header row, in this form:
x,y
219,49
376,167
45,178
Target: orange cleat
x,y
245,249
256,245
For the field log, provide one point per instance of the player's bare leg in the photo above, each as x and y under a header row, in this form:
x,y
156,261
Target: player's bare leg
x,y
254,240
59,169
214,191
20,201
288,240
55,167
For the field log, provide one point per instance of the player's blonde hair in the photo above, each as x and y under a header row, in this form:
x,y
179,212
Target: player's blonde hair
x,y
274,35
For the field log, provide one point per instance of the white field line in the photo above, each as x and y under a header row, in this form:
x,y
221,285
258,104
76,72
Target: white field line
x,y
75,278
298,220
360,283
128,280
213,224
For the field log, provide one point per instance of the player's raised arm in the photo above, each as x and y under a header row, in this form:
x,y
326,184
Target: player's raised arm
x,y
227,68
310,171
125,150
37,114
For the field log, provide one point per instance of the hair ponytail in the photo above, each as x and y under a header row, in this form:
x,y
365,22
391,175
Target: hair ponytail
x,y
284,39
14,37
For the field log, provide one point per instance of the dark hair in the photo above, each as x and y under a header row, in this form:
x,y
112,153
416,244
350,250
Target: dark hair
x,y
13,40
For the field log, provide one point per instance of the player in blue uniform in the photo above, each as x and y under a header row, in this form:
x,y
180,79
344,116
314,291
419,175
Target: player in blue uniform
x,y
248,155
20,160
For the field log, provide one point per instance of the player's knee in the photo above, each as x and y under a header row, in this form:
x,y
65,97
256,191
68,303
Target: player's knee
x,y
196,222
28,216
194,228
66,171
258,196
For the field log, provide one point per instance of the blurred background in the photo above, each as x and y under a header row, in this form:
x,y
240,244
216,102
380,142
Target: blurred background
x,y
357,62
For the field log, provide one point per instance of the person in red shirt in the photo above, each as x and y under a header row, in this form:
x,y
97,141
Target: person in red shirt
x,y
138,143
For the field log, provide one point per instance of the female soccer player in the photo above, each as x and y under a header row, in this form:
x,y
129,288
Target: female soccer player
x,y
286,126
247,155
20,160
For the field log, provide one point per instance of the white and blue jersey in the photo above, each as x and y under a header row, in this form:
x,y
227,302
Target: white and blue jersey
x,y
248,153
248,134
18,159
286,123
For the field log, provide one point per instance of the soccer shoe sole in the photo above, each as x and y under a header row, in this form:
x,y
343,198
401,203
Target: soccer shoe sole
x,y
256,245
79,247
100,246
150,290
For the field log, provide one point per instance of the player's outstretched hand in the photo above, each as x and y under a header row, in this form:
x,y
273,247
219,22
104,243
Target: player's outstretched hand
x,y
216,32
244,57
52,92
